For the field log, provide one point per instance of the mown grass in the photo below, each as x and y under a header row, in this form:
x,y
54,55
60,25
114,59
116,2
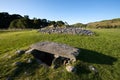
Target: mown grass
x,y
101,50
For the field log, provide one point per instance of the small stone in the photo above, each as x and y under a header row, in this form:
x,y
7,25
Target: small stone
x,y
20,52
29,61
29,51
56,56
92,68
26,73
70,68
17,63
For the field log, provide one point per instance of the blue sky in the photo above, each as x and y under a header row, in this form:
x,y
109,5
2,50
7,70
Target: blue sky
x,y
71,11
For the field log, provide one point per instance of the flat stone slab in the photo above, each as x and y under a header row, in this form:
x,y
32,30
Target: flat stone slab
x,y
57,49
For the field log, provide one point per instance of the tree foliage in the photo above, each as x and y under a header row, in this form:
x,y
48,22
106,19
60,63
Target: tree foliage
x,y
18,21
5,19
60,23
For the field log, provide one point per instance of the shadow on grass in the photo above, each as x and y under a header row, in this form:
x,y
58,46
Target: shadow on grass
x,y
95,57
85,57
82,68
24,69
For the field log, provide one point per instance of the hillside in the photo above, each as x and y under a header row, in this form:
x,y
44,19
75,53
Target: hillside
x,y
100,50
113,23
78,25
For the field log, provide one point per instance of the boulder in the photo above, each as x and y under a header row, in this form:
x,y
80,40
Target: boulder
x,y
57,49
19,52
55,54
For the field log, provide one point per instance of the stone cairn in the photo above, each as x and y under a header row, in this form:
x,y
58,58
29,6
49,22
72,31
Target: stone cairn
x,y
79,31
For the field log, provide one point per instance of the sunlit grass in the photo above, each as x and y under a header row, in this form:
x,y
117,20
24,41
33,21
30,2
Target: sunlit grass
x,y
101,50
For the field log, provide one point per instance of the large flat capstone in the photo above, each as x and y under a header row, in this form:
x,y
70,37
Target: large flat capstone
x,y
57,49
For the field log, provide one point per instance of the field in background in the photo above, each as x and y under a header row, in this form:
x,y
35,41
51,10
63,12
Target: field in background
x,y
101,50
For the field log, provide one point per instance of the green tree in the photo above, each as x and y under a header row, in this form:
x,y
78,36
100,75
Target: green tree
x,y
60,23
52,23
44,22
13,24
6,18
36,23
19,23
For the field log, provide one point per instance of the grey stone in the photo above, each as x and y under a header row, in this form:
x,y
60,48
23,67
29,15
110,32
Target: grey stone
x,y
27,73
92,68
51,53
20,52
70,68
17,63
29,61
56,49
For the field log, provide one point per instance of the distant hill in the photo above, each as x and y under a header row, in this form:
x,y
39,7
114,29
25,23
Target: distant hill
x,y
78,25
113,23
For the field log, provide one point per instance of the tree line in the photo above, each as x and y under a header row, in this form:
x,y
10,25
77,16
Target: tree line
x,y
22,22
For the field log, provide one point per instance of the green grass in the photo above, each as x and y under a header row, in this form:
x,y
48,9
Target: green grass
x,y
101,50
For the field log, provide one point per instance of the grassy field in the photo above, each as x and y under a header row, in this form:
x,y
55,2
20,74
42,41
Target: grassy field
x,y
101,50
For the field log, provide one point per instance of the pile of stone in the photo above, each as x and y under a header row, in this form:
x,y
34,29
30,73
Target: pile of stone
x,y
67,31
